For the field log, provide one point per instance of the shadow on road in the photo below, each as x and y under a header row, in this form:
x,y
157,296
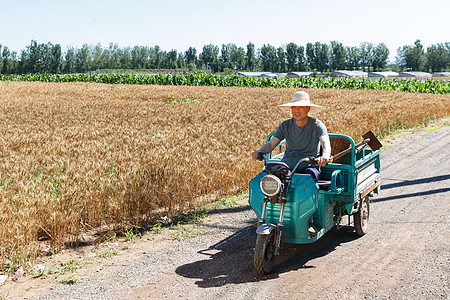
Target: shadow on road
x,y
418,194
413,182
231,260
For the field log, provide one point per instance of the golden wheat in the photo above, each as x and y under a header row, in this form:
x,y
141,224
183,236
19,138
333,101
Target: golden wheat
x,y
77,156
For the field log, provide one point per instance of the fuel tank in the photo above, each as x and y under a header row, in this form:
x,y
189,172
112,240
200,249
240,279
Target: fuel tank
x,y
300,206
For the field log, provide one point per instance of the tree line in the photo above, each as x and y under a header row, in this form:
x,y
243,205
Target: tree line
x,y
320,57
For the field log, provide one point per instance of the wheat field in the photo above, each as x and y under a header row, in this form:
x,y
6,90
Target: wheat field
x,y
77,156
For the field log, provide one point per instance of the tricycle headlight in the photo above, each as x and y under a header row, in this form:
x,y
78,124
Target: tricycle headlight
x,y
270,185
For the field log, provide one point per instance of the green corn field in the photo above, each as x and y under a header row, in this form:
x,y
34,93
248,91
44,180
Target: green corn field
x,y
392,84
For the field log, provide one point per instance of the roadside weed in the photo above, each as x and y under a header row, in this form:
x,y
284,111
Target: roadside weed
x,y
15,262
131,235
107,253
157,228
227,202
182,232
71,279
70,266
40,271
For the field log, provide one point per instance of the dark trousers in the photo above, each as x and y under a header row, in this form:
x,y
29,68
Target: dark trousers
x,y
313,171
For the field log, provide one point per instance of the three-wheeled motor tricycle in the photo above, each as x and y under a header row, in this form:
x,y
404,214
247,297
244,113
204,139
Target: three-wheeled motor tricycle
x,y
293,208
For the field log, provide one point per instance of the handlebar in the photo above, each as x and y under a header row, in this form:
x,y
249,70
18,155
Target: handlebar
x,y
261,156
311,160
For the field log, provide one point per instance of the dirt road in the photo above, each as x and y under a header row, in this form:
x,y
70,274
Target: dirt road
x,y
405,254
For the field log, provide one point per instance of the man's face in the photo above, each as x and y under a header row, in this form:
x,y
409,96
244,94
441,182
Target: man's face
x,y
300,113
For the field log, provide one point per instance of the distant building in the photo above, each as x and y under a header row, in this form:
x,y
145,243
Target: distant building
x,y
383,74
299,74
269,74
441,74
345,73
252,74
414,74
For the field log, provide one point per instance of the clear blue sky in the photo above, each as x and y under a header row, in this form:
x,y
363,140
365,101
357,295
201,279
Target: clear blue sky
x,y
177,24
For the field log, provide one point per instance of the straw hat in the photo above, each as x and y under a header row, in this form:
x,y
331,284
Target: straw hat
x,y
300,99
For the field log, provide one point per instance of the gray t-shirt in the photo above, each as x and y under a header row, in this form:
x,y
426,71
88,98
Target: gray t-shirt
x,y
300,142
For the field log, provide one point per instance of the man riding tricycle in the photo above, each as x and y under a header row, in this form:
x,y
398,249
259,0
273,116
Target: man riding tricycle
x,y
305,190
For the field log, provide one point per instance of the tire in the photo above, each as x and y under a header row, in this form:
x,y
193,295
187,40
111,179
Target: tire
x,y
264,253
361,217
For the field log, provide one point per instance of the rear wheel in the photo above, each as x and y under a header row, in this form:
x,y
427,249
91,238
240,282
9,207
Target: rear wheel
x,y
361,217
264,253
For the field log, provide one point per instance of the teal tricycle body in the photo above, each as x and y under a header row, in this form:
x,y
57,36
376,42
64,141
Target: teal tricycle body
x,y
293,208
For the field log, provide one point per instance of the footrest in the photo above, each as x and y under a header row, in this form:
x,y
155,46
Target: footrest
x,y
324,185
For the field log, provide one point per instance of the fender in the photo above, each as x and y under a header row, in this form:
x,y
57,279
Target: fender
x,y
265,229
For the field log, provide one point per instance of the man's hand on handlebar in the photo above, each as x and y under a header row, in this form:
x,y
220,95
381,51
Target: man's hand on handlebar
x,y
258,155
322,161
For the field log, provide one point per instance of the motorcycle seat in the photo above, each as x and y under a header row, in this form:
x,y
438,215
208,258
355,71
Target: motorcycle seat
x,y
276,167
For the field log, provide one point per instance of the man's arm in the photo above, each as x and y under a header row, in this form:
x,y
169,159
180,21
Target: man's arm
x,y
268,147
326,150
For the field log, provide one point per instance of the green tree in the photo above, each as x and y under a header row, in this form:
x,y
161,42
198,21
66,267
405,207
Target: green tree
x,y
311,56
106,58
23,64
323,55
232,57
250,57
301,61
70,61
380,57
83,59
420,59
8,61
404,56
50,59
237,58
33,62
13,62
155,57
337,56
41,58
190,58
437,58
139,57
97,62
225,56
125,59
365,55
56,59
447,48
181,62
281,60
352,58
317,56
412,57
210,57
268,58
114,56
3,58
292,56
172,59
164,60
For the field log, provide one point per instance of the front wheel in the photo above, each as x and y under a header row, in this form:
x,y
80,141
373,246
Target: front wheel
x,y
264,253
361,217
